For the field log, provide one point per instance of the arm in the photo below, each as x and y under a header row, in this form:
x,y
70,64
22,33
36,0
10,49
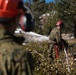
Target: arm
x,y
58,36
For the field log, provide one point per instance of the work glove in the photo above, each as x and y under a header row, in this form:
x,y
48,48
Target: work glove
x,y
64,43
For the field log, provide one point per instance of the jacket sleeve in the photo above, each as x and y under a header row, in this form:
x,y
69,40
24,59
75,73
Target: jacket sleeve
x,y
58,36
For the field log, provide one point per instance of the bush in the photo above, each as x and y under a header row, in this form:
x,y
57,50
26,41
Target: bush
x,y
43,64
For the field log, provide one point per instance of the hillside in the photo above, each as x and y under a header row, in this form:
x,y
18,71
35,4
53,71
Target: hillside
x,y
45,66
38,45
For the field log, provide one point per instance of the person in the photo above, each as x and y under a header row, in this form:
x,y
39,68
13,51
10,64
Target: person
x,y
56,40
14,59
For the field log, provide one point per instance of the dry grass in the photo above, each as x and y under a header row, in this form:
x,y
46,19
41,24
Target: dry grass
x,y
44,65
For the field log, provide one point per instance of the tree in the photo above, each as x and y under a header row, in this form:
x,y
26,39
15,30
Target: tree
x,y
35,0
38,8
51,22
67,12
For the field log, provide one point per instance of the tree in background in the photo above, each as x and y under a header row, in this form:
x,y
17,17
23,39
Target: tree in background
x,y
38,8
51,23
67,13
64,10
52,19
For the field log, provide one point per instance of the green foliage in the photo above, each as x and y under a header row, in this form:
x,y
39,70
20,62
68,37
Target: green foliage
x,y
51,23
66,12
38,8
43,64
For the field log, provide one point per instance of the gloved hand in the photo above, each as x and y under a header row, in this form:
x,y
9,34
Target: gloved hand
x,y
64,43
